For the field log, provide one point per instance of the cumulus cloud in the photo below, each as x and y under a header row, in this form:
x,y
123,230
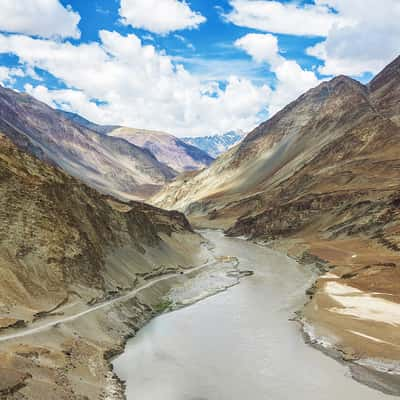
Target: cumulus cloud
x,y
122,81
367,45
8,75
262,48
160,16
292,80
286,18
360,35
45,18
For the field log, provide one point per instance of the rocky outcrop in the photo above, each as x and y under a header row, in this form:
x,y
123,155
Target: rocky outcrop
x,y
11,382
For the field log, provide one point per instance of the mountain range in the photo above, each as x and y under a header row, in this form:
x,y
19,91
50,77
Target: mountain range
x,y
178,154
109,163
316,147
168,149
320,181
66,249
217,144
102,129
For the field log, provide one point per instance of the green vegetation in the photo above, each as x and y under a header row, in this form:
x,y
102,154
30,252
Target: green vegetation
x,y
163,306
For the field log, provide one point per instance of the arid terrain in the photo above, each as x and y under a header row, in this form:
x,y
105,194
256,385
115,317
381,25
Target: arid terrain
x,y
320,180
168,149
128,164
65,251
199,200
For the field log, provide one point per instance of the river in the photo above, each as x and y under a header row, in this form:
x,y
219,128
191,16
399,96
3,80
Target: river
x,y
239,344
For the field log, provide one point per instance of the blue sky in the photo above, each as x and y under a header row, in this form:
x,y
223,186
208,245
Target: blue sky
x,y
191,68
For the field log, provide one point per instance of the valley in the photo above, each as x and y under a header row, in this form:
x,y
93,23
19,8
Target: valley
x,y
100,234
243,343
320,181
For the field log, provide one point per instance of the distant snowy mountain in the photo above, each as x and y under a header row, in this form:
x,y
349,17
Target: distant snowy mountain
x,y
217,144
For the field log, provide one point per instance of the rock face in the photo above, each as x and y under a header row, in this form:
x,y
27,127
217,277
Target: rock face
x,y
60,239
66,249
168,149
217,144
112,166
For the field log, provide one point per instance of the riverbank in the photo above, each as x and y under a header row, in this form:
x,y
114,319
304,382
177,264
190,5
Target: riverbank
x,y
239,344
353,312
68,355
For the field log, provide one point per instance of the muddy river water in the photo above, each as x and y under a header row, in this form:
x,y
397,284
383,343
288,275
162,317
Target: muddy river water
x,y
239,344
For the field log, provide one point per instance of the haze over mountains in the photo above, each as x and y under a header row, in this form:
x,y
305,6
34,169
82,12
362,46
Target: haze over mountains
x,y
213,145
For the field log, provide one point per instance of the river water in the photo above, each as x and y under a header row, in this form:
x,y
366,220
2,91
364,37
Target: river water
x,y
238,345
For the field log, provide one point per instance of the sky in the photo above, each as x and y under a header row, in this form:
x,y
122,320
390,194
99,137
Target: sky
x,y
191,68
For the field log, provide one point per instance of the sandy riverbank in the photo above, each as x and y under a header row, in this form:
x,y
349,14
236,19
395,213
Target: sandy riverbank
x,y
70,357
353,313
66,355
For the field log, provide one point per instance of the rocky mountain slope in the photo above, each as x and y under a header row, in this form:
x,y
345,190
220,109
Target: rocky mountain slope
x,y
168,149
60,237
217,144
108,164
78,119
247,179
321,180
63,248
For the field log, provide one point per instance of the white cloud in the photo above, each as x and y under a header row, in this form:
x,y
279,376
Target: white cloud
x,y
361,35
8,75
122,81
261,47
160,16
183,40
292,80
367,45
285,18
66,99
45,18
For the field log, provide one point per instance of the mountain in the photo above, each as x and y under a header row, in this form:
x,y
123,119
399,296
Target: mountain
x,y
168,149
102,129
63,249
252,176
109,164
217,144
321,181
